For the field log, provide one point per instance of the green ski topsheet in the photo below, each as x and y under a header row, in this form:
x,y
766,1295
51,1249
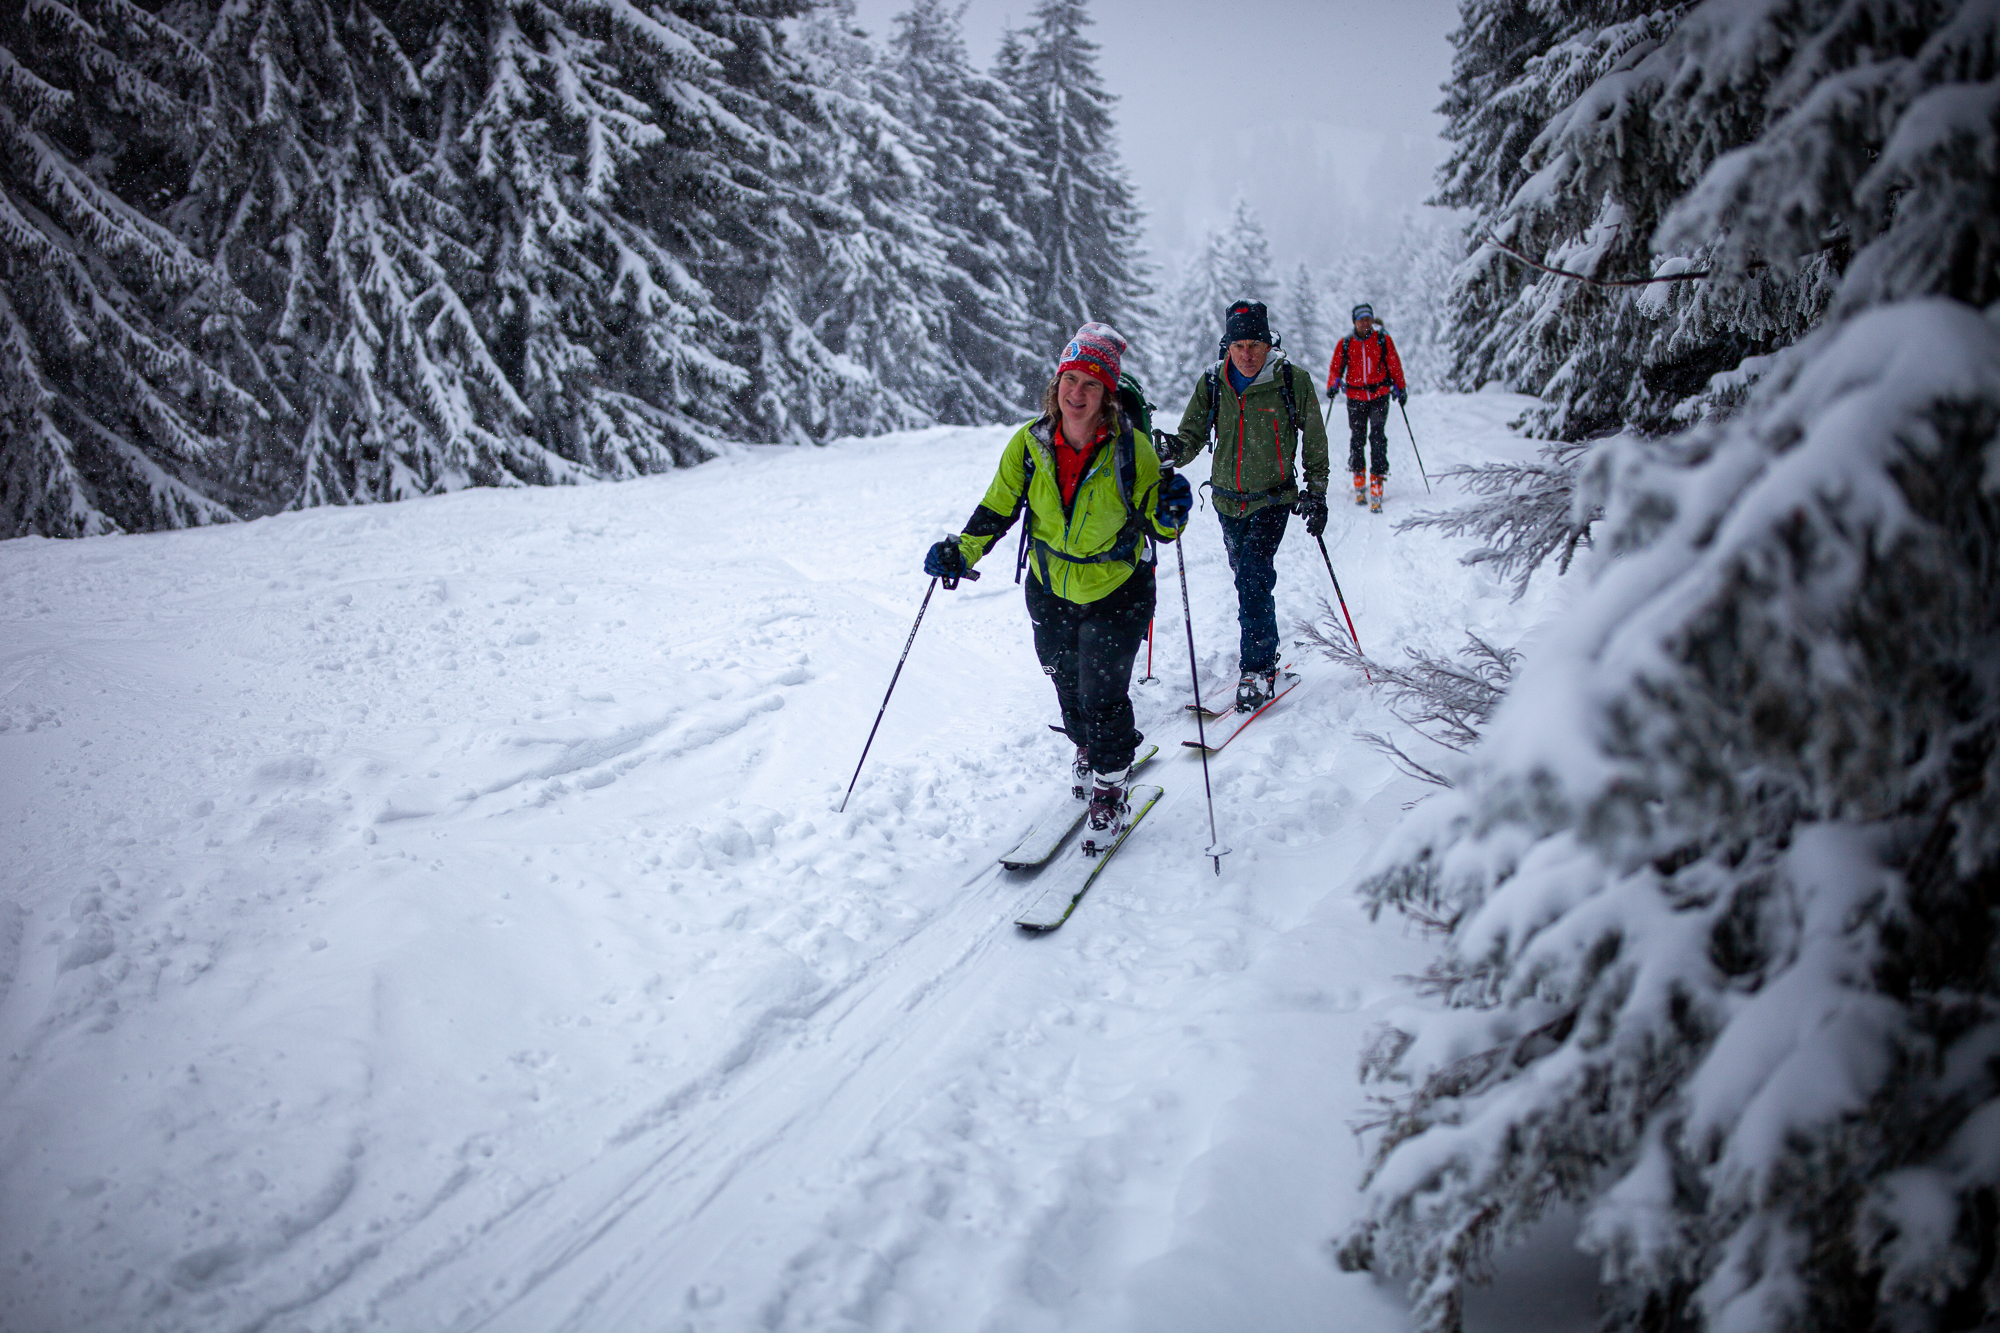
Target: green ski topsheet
x,y
1071,878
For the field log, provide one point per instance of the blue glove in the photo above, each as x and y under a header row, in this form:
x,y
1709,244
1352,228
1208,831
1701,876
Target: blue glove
x,y
1400,394
1338,386
945,561
1176,499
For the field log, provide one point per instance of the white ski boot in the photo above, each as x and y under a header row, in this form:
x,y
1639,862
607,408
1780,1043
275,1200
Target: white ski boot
x,y
1109,810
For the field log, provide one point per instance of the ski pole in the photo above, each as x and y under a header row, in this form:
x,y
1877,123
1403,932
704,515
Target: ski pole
x,y
1414,450
1149,678
1215,848
921,608
1343,601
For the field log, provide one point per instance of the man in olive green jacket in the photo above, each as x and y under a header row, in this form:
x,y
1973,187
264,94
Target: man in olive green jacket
x,y
1255,404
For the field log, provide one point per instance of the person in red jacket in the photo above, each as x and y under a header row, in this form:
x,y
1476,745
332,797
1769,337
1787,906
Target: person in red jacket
x,y
1366,365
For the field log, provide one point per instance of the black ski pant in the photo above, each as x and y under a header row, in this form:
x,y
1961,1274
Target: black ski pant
x,y
1087,650
1368,424
1252,544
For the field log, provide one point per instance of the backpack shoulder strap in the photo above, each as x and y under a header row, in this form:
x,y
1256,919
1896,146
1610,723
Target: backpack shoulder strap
x,y
1025,510
1134,530
1214,378
1128,464
1291,400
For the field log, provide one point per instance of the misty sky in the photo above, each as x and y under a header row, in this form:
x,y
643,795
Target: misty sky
x,y
1319,112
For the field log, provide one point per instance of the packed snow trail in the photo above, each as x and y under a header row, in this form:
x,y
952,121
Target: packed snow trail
x,y
435,916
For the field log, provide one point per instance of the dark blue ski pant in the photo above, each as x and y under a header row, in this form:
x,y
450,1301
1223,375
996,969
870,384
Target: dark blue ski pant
x,y
1252,544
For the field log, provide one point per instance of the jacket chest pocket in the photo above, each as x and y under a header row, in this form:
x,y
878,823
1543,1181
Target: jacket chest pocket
x,y
1260,426
1272,423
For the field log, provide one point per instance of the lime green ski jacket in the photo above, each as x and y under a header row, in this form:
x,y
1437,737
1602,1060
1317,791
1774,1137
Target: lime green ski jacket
x,y
1086,551
1253,446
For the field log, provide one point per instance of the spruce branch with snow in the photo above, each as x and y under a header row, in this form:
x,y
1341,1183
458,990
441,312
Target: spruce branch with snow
x,y
109,419
1719,879
1576,129
1446,699
1526,513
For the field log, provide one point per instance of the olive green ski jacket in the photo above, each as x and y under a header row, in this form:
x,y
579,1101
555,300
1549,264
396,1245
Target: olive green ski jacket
x,y
1254,445
1084,551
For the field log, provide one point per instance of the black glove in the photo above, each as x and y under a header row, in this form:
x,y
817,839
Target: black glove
x,y
1176,499
1311,507
1400,394
946,561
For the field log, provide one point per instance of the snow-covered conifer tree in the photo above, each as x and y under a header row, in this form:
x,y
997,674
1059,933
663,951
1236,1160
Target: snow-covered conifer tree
x,y
1234,264
1411,285
975,124
1087,226
109,420
585,310
1572,140
877,278
1718,884
736,198
427,208
1303,319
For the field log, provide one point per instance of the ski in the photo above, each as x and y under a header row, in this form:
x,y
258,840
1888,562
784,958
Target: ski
x,y
1223,690
1211,713
1070,880
1056,823
1289,680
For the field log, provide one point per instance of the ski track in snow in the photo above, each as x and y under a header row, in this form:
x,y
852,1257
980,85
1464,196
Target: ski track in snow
x,y
436,916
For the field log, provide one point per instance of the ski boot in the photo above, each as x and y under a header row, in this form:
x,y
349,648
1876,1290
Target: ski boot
x,y
1108,809
1253,691
1361,488
1375,492
1079,774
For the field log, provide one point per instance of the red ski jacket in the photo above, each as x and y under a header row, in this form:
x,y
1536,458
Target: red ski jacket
x,y
1369,365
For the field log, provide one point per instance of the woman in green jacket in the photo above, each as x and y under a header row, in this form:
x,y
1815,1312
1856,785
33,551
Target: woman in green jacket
x,y
1096,498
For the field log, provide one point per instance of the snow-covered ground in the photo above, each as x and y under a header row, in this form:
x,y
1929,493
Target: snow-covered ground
x,y
436,916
